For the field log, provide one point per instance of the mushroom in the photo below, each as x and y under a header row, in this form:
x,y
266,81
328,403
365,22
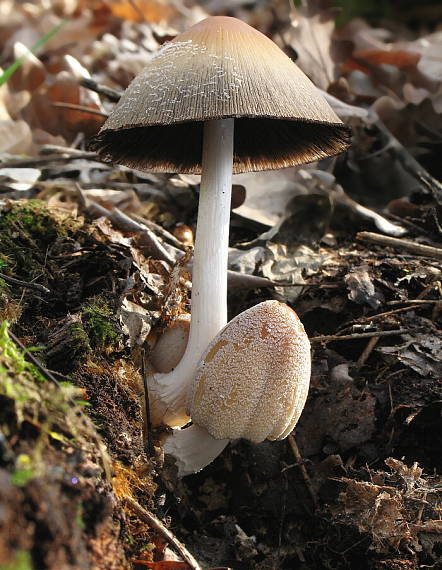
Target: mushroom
x,y
171,344
251,382
179,115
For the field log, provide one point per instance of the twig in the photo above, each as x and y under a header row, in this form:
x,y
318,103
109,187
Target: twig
x,y
371,344
42,161
81,108
300,463
126,224
356,336
433,185
410,225
31,358
387,313
236,280
403,244
148,238
156,524
378,316
112,94
24,284
415,302
381,223
321,285
58,149
159,230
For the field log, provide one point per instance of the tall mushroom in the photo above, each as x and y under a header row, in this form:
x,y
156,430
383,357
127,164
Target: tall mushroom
x,y
179,115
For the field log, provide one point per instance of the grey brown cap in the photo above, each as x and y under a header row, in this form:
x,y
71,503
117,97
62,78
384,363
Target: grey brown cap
x,y
220,68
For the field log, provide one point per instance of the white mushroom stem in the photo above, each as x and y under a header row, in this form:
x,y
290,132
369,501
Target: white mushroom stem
x,y
168,392
193,448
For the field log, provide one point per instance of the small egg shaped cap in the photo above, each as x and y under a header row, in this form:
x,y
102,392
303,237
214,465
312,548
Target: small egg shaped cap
x,y
220,68
253,380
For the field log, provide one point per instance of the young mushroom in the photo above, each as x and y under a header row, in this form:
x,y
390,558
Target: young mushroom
x,y
171,345
252,383
219,98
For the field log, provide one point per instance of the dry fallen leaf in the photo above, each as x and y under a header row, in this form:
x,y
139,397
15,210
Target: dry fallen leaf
x,y
311,37
15,137
376,510
143,10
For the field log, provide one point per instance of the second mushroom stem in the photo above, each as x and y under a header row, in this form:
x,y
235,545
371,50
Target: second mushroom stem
x,y
209,273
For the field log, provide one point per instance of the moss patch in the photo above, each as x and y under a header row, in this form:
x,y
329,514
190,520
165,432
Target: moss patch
x,y
52,461
99,321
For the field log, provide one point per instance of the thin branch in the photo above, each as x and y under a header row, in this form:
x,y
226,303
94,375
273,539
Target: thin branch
x,y
371,318
138,10
159,230
58,149
156,524
81,108
387,313
381,222
357,336
365,354
43,161
415,302
300,464
403,244
112,94
31,358
126,224
24,284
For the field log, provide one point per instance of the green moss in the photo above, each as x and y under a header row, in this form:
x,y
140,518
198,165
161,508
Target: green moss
x,y
98,320
9,310
68,346
24,470
28,229
79,521
13,359
33,218
50,408
22,561
27,394
79,346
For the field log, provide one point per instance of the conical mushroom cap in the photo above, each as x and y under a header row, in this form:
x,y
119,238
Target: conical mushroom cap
x,y
220,68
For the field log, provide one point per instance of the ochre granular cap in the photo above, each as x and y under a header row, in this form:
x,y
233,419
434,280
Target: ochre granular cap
x,y
253,380
220,68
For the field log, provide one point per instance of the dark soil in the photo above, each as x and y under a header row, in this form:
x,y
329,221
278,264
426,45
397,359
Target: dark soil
x,y
369,496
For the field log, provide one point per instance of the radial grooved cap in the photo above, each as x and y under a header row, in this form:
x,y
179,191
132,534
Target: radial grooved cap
x,y
253,379
220,68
